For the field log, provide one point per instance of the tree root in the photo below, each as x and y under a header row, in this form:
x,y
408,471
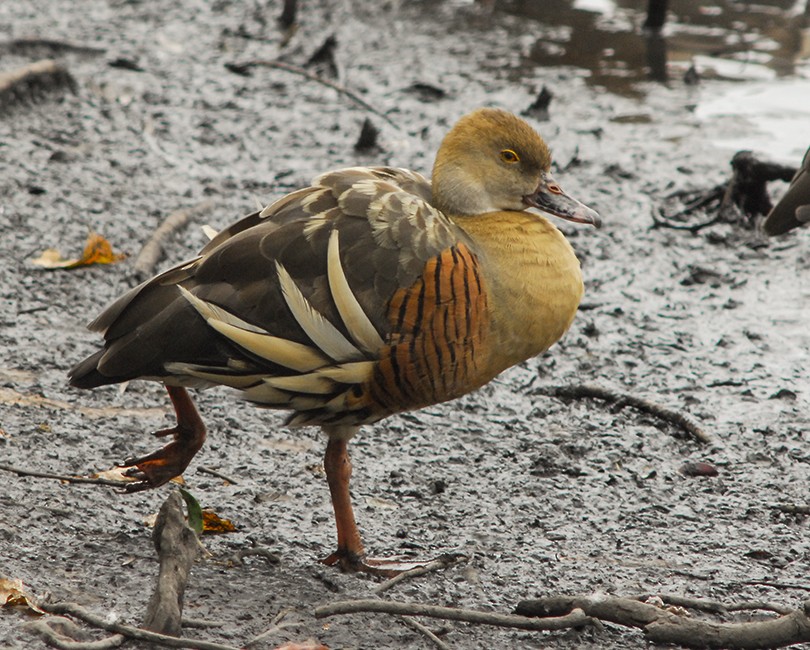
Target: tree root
x,y
620,400
177,547
739,202
130,632
663,625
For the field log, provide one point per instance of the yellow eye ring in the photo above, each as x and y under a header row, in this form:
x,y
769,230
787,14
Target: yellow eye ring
x,y
509,156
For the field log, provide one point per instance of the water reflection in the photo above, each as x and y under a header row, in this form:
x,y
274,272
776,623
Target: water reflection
x,y
724,40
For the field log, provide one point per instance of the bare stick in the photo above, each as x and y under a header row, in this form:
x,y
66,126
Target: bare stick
x,y
663,222
442,562
294,69
276,626
29,45
26,83
177,547
778,585
61,477
793,509
260,551
152,250
623,399
715,606
213,472
572,619
131,632
423,629
663,626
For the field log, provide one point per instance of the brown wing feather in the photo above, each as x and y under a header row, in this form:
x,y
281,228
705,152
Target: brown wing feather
x,y
406,265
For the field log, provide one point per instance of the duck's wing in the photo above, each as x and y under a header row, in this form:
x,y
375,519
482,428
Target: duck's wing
x,y
338,301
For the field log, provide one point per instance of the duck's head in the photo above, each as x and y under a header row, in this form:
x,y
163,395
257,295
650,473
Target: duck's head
x,y
492,160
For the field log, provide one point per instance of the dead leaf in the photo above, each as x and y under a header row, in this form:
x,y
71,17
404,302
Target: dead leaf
x,y
115,474
381,504
213,524
97,250
13,594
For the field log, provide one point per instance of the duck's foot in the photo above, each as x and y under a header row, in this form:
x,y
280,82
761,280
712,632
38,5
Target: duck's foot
x,y
385,567
159,467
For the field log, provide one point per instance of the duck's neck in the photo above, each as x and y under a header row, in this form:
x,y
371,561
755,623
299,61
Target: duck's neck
x,y
534,283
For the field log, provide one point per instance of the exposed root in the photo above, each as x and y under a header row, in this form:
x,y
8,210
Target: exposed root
x,y
741,201
673,625
620,400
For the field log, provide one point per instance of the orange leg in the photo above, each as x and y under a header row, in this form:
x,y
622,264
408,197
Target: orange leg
x,y
338,466
350,554
159,467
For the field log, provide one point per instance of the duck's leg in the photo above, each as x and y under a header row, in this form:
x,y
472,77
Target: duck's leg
x,y
171,460
338,466
350,554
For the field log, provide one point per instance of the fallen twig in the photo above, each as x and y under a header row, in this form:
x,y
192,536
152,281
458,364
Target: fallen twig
x,y
53,46
663,626
623,399
150,254
793,509
131,632
260,551
213,472
571,619
33,80
714,195
62,477
778,585
62,633
441,562
276,626
423,629
715,606
662,221
242,68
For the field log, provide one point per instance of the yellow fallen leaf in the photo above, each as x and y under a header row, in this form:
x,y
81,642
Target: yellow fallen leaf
x,y
97,250
213,524
381,504
13,594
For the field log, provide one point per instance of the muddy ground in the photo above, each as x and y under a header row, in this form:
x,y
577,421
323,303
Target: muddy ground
x,y
545,496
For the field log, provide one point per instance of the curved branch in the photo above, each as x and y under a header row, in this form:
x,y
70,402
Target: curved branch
x,y
573,618
621,400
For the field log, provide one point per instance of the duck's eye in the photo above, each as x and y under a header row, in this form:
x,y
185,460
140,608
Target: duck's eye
x,y
509,156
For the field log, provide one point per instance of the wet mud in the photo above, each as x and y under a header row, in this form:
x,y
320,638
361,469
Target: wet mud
x,y
545,496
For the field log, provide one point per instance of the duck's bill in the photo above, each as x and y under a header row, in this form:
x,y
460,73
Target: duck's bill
x,y
548,197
